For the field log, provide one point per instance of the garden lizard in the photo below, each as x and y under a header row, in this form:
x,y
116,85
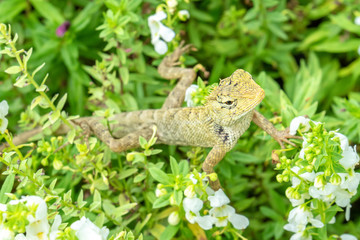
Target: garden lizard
x,y
227,114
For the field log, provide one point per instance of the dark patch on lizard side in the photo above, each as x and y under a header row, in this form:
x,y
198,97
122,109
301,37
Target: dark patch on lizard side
x,y
226,138
219,130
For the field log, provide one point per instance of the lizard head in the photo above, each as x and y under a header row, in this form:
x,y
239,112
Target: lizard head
x,y
234,97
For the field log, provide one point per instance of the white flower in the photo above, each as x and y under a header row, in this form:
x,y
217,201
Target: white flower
x,y
54,230
192,206
344,141
205,222
219,199
224,213
4,109
159,31
302,216
20,237
174,218
172,5
160,192
183,15
295,124
38,227
357,21
188,95
350,158
85,229
348,236
5,233
190,191
350,182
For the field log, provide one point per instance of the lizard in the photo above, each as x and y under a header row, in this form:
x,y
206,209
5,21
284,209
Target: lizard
x,y
226,115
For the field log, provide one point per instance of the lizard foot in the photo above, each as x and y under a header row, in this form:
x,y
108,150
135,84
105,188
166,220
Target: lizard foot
x,y
282,137
174,57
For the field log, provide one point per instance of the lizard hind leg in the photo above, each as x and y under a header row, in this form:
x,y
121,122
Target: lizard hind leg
x,y
124,143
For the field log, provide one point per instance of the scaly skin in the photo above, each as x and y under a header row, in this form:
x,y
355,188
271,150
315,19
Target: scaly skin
x,y
219,124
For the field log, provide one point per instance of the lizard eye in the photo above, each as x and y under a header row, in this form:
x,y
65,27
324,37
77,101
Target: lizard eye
x,y
229,102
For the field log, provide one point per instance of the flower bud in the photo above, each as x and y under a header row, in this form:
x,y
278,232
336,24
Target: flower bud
x,y
279,178
309,168
278,165
286,178
183,15
331,134
160,192
309,157
289,191
335,179
172,200
190,191
213,176
130,156
297,195
317,151
327,172
319,181
174,218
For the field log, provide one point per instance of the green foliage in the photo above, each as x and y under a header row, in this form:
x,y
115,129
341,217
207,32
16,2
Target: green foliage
x,y
304,54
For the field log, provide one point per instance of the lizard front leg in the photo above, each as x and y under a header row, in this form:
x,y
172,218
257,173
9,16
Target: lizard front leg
x,y
213,158
279,136
186,76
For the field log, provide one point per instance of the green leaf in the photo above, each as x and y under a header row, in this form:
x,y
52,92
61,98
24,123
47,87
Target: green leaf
x,y
162,201
97,201
6,187
184,167
124,73
178,195
61,103
13,70
337,46
139,177
159,175
169,232
54,116
142,142
48,11
268,212
10,8
174,166
126,173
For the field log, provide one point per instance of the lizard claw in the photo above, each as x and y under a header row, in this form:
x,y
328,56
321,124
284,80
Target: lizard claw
x,y
283,136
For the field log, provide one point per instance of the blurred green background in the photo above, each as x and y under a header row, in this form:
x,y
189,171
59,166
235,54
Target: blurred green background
x,y
305,54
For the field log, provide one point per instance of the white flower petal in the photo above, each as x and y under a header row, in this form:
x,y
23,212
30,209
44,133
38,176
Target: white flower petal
x,y
166,33
160,47
316,223
357,21
350,158
344,141
239,221
3,124
223,211
188,98
347,236
347,212
20,237
205,222
219,199
192,204
4,108
295,124
85,229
